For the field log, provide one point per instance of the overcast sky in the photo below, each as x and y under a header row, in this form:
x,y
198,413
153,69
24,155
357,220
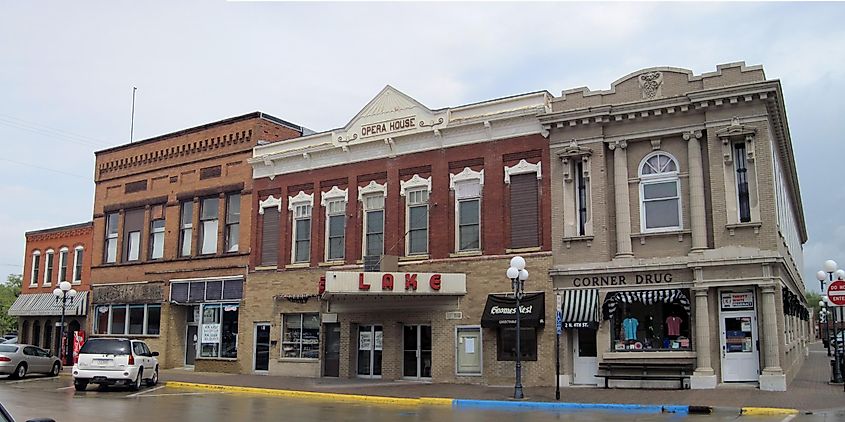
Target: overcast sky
x,y
67,71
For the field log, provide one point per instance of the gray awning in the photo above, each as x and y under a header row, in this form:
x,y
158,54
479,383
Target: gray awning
x,y
45,304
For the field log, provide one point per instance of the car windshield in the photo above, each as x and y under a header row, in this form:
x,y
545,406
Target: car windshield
x,y
8,349
105,347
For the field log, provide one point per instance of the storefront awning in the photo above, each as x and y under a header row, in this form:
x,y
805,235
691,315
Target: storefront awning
x,y
646,297
45,304
579,308
500,310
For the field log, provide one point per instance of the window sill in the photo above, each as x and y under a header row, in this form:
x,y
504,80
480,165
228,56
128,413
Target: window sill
x,y
465,254
76,283
643,236
220,359
645,354
420,257
177,259
267,268
567,241
331,263
524,250
129,336
298,360
754,224
297,266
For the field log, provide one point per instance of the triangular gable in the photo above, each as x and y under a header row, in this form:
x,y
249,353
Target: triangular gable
x,y
389,113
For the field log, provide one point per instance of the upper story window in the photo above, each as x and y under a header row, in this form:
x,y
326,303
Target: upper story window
x,y
63,252
209,209
157,232
524,203
577,210
110,249
743,196
467,186
36,266
300,205
233,221
660,196
372,201
334,202
133,225
48,267
270,230
186,227
416,191
77,264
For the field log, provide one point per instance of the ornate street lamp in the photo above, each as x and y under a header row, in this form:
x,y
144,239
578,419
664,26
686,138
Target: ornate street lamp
x,y
518,274
65,294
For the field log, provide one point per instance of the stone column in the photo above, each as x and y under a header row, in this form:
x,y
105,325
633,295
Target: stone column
x,y
772,378
704,377
696,191
622,199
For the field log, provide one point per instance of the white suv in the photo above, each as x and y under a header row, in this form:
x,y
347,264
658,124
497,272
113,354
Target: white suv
x,y
111,361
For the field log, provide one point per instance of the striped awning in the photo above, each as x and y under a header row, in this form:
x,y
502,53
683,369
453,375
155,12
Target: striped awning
x,y
579,308
45,304
646,297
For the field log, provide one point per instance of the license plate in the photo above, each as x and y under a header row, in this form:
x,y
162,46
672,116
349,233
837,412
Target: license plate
x,y
102,362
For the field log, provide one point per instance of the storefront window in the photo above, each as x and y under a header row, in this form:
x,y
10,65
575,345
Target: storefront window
x,y
136,320
301,336
219,331
506,344
655,326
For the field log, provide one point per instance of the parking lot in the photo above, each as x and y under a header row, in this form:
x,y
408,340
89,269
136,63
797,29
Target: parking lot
x,y
55,398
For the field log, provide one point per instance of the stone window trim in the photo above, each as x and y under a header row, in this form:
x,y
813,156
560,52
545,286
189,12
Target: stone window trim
x,y
33,275
660,176
576,164
327,199
523,167
415,183
731,136
368,196
300,206
467,176
417,192
270,201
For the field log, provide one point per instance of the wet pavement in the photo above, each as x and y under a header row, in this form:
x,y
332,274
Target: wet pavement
x,y
55,398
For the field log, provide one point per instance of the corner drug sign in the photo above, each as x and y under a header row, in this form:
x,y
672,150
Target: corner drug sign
x,y
355,282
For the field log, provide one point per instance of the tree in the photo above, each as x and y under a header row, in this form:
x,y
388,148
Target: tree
x,y
9,291
813,299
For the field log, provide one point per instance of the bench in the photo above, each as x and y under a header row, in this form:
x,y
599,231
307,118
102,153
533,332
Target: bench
x,y
680,371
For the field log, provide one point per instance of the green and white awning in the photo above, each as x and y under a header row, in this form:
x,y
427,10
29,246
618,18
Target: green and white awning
x,y
46,304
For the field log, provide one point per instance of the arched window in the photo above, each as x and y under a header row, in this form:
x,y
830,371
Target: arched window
x,y
660,193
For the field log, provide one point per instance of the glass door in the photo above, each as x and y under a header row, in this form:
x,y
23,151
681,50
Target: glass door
x,y
331,352
370,341
416,351
740,356
262,347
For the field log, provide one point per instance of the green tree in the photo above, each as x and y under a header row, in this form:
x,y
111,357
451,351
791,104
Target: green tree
x,y
813,299
9,291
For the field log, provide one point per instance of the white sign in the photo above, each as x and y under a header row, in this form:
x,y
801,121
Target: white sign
x,y
733,300
365,340
211,333
409,283
469,345
379,339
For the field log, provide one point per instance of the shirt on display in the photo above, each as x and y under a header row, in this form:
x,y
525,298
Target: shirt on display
x,y
630,327
673,325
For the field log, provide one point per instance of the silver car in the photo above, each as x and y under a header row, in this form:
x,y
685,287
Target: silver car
x,y
17,360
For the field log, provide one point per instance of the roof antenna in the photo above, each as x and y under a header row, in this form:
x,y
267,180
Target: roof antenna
x,y
132,121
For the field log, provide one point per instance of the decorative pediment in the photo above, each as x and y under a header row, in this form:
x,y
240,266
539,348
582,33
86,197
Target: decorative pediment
x,y
371,188
521,168
389,114
334,194
271,201
466,174
737,130
415,182
300,199
575,152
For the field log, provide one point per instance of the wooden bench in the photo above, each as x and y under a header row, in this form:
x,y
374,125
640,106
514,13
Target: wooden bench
x,y
681,371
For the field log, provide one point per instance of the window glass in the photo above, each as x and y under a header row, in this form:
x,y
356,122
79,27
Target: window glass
x,y
418,229
303,240
662,213
375,232
48,271
134,246
157,239
659,326
138,349
186,228
102,346
337,227
208,233
36,266
229,340
660,190
233,218
742,182
111,237
659,193
63,266
301,336
506,342
210,331
153,319
468,222
77,265
136,319
118,320
102,321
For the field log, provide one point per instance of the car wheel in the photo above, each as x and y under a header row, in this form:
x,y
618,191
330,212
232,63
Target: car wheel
x,y
20,371
56,369
137,384
80,385
154,379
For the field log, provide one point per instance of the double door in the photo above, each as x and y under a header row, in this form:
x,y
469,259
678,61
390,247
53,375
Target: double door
x,y
370,341
416,352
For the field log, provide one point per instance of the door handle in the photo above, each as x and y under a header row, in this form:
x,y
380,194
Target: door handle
x,y
723,351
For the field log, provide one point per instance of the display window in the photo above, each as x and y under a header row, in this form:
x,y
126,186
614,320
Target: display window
x,y
219,330
649,321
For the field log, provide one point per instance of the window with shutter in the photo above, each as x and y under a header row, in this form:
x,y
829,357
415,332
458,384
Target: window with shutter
x,y
270,237
524,211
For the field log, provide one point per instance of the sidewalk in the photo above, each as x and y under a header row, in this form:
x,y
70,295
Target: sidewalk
x,y
809,391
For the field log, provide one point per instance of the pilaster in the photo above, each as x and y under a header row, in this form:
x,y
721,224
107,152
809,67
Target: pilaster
x,y
622,199
696,182
704,376
773,377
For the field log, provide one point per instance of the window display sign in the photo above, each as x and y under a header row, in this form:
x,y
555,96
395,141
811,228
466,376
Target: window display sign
x,y
211,333
378,339
734,301
365,340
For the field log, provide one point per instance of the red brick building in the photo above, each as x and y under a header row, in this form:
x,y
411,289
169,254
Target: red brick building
x,y
52,256
438,200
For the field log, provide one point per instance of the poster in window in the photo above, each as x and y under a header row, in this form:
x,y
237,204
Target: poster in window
x,y
469,345
211,333
737,301
745,324
379,336
365,340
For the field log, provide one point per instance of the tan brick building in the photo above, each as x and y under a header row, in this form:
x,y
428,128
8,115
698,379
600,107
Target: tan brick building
x,y
677,229
53,256
171,235
443,199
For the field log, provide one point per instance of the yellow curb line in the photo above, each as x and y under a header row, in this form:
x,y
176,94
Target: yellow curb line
x,y
767,411
349,398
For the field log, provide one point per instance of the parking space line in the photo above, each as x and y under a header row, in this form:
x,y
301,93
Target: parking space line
x,y
65,388
788,418
146,391
28,380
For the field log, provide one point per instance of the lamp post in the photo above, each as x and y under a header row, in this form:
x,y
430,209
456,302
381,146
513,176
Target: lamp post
x,y
830,268
822,277
65,294
518,274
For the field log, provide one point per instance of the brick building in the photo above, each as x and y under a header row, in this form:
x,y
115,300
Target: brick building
x,y
173,213
52,256
438,201
678,228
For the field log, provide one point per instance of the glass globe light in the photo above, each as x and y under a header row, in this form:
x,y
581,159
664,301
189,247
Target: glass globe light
x,y
65,286
512,273
57,292
523,275
518,262
821,275
840,274
830,266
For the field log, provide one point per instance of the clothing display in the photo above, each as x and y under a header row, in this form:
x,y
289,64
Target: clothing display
x,y
630,326
673,325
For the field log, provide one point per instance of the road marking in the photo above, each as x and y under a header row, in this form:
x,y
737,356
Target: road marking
x,y
65,388
788,418
28,380
145,391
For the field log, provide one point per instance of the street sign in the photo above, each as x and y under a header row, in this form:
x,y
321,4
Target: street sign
x,y
836,293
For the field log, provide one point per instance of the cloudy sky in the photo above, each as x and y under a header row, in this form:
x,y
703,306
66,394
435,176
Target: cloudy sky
x,y
67,71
